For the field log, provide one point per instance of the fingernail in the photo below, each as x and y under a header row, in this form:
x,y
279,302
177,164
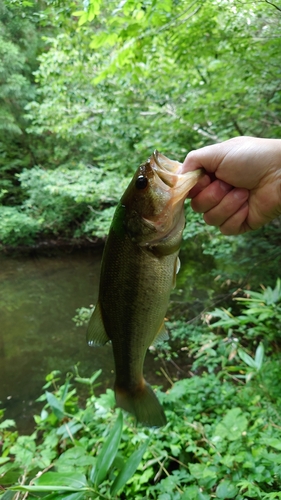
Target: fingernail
x,y
204,182
224,186
241,194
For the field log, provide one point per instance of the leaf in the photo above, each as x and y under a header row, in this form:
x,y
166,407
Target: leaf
x,y
74,480
70,496
65,390
8,495
247,359
7,423
83,18
108,452
202,471
273,442
259,356
232,426
94,10
88,381
129,469
73,458
56,405
69,429
226,489
194,493
56,481
78,13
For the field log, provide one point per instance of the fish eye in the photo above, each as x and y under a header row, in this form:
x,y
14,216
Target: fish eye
x,y
141,182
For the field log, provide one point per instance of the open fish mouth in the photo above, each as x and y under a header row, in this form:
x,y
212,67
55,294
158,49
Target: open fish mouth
x,y
166,169
169,172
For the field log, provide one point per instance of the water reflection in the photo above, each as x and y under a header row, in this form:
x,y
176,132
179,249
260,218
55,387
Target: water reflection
x,y
38,299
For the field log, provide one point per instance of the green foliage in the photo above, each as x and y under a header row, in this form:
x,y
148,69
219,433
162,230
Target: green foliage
x,y
103,84
16,227
18,49
68,200
220,439
82,316
196,43
260,317
223,431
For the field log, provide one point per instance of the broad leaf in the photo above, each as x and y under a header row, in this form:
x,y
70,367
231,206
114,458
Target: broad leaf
x,y
8,495
129,469
259,356
62,479
56,405
55,481
108,452
247,359
70,496
226,489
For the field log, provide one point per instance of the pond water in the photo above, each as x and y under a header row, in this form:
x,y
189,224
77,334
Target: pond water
x,y
38,299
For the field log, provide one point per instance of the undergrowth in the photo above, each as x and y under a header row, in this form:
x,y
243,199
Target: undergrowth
x,y
222,439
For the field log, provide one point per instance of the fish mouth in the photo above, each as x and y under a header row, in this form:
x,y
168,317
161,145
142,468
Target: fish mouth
x,y
170,177
167,170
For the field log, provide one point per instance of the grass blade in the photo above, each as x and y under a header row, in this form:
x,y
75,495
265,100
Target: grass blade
x,y
129,469
108,452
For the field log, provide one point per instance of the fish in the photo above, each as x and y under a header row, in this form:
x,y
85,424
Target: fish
x,y
138,271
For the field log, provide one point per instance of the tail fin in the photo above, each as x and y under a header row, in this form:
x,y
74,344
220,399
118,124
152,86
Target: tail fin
x,y
143,404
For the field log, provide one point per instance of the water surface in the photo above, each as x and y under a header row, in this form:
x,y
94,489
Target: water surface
x,y
38,299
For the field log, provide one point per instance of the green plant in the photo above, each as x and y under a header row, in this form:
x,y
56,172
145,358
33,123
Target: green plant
x,y
221,439
17,227
254,364
259,318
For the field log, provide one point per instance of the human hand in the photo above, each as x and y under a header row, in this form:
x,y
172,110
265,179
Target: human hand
x,y
241,189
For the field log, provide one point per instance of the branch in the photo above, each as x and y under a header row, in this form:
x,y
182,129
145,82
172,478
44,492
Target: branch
x,y
237,126
156,31
273,5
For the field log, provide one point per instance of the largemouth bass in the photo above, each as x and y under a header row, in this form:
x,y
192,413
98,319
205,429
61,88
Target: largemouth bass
x,y
138,272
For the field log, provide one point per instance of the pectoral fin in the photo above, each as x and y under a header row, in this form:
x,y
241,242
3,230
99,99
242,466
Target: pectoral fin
x,y
161,335
96,334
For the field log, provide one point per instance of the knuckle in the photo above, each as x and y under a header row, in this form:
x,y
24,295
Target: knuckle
x,y
210,219
196,206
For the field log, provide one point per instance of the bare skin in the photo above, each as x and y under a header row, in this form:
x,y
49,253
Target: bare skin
x,y
241,190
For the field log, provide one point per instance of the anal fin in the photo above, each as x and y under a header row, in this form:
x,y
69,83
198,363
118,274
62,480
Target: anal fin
x,y
96,334
161,335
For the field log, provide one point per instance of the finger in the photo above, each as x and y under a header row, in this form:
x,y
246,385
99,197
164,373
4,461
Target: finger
x,y
211,196
227,207
201,184
236,224
208,157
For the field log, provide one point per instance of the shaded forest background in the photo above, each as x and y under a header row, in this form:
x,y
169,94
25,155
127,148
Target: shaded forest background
x,y
89,89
